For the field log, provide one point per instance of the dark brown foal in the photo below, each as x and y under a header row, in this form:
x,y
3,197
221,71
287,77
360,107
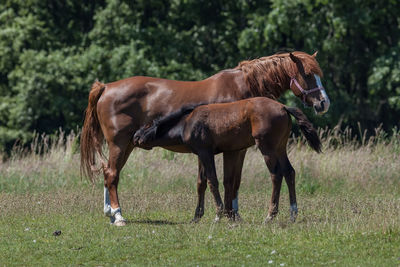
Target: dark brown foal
x,y
210,129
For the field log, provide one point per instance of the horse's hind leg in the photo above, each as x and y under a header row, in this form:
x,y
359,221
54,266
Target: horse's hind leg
x,y
290,175
201,188
207,160
118,154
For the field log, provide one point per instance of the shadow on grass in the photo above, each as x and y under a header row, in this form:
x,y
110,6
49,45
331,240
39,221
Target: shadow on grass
x,y
156,222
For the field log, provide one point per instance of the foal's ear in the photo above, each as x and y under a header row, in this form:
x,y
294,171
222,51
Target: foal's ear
x,y
294,58
315,54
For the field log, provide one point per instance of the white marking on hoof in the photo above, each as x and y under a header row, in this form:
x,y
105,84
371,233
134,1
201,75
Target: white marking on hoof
x,y
114,212
217,218
119,220
120,223
115,216
293,212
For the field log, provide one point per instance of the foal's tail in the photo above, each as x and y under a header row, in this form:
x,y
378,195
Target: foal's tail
x,y
306,127
92,135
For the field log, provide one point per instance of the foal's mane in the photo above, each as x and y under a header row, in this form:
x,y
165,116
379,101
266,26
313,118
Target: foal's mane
x,y
268,76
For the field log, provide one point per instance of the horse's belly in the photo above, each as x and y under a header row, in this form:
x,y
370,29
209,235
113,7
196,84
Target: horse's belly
x,y
179,149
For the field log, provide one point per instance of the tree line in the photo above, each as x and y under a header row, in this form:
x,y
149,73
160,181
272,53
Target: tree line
x,y
52,51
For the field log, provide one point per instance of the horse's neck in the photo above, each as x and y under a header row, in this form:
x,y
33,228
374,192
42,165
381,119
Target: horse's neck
x,y
271,83
273,91
264,87
240,89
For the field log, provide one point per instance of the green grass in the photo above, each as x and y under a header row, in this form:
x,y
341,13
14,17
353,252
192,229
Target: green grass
x,y
348,197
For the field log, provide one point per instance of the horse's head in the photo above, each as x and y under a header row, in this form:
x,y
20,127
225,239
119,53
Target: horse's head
x,y
306,83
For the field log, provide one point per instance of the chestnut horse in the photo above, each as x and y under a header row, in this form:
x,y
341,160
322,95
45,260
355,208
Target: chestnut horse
x,y
215,128
117,110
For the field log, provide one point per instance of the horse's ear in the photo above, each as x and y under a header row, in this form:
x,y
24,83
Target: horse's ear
x,y
315,54
294,58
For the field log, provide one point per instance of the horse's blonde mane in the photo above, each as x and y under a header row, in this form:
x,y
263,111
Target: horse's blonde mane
x,y
268,76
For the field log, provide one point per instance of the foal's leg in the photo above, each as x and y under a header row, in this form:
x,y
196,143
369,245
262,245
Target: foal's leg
x,y
268,148
233,163
276,178
228,185
118,154
207,160
290,175
236,184
201,188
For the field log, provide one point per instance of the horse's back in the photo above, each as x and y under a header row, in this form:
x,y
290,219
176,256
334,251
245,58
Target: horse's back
x,y
224,86
137,83
133,101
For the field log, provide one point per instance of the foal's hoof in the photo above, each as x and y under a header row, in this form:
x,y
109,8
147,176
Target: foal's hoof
x,y
293,212
195,220
268,219
236,217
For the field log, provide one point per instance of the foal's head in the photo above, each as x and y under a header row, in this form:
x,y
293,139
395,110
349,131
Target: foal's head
x,y
306,82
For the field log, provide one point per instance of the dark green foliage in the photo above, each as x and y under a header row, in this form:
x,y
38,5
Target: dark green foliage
x,y
51,52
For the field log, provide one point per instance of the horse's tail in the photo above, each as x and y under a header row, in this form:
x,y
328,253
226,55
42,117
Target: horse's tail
x,y
92,135
307,128
162,125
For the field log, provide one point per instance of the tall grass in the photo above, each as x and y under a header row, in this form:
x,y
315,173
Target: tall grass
x,y
48,162
347,163
351,161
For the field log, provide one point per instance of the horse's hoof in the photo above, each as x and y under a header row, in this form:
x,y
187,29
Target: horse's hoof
x,y
119,223
229,214
195,220
268,219
236,217
217,218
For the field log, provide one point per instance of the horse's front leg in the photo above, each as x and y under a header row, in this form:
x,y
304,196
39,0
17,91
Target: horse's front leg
x,y
201,188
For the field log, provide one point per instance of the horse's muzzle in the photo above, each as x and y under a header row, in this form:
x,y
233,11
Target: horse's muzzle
x,y
322,106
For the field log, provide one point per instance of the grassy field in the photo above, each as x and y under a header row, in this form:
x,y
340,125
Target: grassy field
x,y
348,197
